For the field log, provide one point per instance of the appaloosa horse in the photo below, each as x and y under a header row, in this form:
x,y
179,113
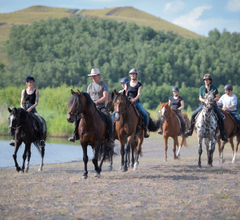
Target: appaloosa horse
x,y
21,126
171,127
231,130
92,130
127,125
207,128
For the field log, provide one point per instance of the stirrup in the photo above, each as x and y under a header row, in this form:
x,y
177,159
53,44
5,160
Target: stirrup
x,y
12,143
159,131
72,138
146,135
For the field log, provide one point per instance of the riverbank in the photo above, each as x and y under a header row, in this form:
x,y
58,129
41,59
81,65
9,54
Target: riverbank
x,y
175,189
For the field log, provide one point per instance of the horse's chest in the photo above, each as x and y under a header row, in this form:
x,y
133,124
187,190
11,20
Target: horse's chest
x,y
206,125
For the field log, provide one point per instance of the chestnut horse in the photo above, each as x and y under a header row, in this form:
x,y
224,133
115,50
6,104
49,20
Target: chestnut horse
x,y
231,130
92,130
126,125
21,126
171,128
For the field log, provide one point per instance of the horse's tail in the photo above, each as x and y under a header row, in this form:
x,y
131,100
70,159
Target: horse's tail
x,y
153,125
109,152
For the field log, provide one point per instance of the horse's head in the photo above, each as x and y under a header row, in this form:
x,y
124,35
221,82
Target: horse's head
x,y
120,104
165,110
16,119
209,102
110,106
75,106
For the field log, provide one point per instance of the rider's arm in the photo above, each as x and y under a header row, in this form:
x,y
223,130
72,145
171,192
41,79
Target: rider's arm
x,y
182,106
22,99
103,99
138,95
216,97
230,107
201,99
36,102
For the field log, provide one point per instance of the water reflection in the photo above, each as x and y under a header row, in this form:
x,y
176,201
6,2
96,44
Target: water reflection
x,y
57,150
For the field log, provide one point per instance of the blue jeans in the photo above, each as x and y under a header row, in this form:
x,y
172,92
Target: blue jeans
x,y
236,116
141,109
195,113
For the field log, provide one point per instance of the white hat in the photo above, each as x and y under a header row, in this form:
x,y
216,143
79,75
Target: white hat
x,y
94,72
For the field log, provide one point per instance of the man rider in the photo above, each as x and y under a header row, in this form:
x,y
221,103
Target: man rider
x,y
210,88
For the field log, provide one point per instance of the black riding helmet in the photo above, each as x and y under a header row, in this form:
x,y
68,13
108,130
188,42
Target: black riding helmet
x,y
30,78
228,87
175,89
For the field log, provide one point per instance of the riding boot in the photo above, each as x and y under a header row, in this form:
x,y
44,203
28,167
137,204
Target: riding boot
x,y
146,135
189,131
222,132
110,141
75,135
12,142
160,129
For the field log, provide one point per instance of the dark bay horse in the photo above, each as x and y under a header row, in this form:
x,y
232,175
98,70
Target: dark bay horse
x,y
92,130
21,126
127,127
171,128
231,130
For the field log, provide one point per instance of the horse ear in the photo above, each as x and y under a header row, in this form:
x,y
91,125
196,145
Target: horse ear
x,y
115,92
79,93
10,110
213,91
72,92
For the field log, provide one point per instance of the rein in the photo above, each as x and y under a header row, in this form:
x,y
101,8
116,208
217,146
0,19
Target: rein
x,y
78,116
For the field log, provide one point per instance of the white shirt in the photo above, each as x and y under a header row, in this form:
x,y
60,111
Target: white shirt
x,y
227,101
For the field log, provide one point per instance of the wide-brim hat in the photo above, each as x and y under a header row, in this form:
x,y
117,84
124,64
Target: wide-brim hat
x,y
94,72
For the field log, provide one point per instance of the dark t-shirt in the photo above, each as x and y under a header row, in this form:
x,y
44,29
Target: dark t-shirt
x,y
30,98
203,88
133,91
175,103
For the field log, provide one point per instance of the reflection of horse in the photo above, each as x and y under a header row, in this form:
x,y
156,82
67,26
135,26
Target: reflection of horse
x,y
127,126
172,128
231,130
92,130
207,128
22,127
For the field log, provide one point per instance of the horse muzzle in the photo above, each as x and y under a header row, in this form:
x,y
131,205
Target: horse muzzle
x,y
70,119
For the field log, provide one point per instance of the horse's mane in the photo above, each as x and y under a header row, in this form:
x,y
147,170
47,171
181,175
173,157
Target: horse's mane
x,y
20,111
75,100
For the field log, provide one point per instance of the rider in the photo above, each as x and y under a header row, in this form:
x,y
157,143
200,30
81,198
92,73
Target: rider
x,y
229,102
98,91
176,102
133,91
29,102
210,88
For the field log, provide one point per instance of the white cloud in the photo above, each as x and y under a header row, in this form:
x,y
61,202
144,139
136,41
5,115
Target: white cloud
x,y
233,5
174,6
191,20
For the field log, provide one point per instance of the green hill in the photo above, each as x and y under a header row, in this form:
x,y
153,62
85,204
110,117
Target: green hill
x,y
127,14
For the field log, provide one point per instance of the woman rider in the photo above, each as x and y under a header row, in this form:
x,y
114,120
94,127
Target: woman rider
x,y
176,102
133,91
29,102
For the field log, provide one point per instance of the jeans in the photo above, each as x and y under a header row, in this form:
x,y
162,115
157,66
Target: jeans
x,y
142,110
236,116
195,113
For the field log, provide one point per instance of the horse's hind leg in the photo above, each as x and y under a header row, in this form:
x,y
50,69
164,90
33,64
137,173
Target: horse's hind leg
x,y
235,149
175,144
199,152
220,150
27,153
95,160
42,156
15,156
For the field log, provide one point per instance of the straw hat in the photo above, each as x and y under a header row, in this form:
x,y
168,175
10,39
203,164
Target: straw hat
x,y
94,72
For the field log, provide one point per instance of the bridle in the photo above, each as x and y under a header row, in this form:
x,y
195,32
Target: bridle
x,y
19,126
123,111
78,116
165,117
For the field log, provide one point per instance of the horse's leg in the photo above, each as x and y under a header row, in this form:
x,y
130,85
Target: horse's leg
x,y
220,150
236,149
175,144
42,156
24,156
180,146
95,160
103,155
209,150
165,138
122,155
133,151
85,160
199,151
127,151
15,155
28,147
139,148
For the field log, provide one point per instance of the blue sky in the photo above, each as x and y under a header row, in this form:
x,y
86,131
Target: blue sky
x,y
198,16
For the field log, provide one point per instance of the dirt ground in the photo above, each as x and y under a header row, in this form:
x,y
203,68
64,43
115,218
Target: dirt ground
x,y
176,189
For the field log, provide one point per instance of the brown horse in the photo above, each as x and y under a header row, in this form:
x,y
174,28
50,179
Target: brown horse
x,y
127,127
171,128
231,130
92,130
21,126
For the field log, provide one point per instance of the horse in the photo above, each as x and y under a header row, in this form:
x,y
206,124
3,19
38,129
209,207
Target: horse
x,y
231,130
207,128
92,130
171,128
127,127
21,126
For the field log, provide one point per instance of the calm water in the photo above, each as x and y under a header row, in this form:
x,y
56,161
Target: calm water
x,y
56,151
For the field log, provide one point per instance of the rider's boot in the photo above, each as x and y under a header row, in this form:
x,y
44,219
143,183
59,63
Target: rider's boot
x,y
189,131
160,130
146,135
12,142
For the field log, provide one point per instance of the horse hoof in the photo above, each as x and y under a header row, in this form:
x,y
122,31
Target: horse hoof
x,y
233,161
199,166
110,168
121,168
97,175
222,161
40,169
84,177
125,169
209,165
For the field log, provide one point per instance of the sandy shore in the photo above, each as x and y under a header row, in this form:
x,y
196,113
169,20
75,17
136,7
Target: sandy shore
x,y
176,189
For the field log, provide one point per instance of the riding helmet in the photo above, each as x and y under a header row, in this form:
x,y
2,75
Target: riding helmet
x,y
124,80
175,89
30,78
207,76
134,70
228,87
